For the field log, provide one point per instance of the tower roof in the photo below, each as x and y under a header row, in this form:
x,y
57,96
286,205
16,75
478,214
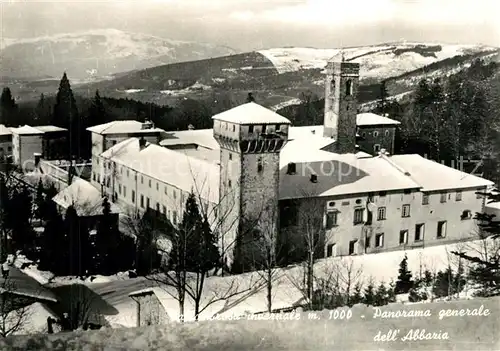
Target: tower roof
x,y
251,113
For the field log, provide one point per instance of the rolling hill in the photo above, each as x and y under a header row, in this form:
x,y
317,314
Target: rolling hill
x,y
96,54
278,76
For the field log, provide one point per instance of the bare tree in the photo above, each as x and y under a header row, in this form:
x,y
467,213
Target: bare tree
x,y
80,309
309,231
188,275
268,247
14,309
349,276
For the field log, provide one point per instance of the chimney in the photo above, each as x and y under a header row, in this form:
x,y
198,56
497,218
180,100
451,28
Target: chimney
x,y
142,143
190,127
313,131
314,178
147,124
291,168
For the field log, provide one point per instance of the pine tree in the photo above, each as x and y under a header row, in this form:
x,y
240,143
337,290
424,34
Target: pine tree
x,y
194,249
43,111
8,107
250,98
23,236
404,282
369,295
66,115
54,253
106,243
79,243
357,296
146,252
381,296
97,111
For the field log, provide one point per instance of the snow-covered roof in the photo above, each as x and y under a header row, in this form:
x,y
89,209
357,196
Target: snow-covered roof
x,y
432,175
26,130
339,174
252,298
85,198
19,283
168,166
200,137
4,130
251,113
122,127
48,129
372,119
36,320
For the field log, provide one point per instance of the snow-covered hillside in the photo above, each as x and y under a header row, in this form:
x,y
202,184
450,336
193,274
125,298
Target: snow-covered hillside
x,y
98,53
379,61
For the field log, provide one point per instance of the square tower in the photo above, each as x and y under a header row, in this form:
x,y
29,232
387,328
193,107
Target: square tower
x,y
341,88
250,138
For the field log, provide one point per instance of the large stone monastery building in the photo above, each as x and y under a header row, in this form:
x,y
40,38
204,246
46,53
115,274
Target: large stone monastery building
x,y
255,173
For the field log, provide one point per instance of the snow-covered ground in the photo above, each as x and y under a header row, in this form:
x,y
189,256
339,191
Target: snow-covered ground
x,y
290,102
376,268
318,332
375,61
132,91
190,89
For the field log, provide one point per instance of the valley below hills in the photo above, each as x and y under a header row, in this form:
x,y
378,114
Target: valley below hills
x,y
277,77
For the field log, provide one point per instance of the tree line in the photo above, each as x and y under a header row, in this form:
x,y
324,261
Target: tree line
x,y
76,113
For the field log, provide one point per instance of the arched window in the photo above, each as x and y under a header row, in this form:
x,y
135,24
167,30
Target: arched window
x,y
348,87
332,86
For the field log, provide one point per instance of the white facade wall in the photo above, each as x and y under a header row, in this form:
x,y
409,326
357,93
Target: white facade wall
x,y
24,147
137,191
101,143
457,227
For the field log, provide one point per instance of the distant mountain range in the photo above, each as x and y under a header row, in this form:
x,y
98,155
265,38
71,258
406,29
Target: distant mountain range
x,y
275,76
96,54
278,76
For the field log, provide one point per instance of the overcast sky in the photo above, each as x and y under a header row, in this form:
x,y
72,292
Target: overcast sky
x,y
255,24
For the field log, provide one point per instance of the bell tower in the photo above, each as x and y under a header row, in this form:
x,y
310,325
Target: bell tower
x,y
341,88
250,138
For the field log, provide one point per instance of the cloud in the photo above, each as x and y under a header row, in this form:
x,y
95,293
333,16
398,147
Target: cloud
x,y
358,12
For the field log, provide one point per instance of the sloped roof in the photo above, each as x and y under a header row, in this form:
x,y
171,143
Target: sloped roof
x,y
340,175
168,166
432,175
371,119
122,127
201,137
251,113
26,130
19,283
4,130
85,198
48,129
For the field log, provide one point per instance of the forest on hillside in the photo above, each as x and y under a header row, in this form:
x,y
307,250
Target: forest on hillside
x,y
444,118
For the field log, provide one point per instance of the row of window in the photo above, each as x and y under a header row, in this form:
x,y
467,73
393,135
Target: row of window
x,y
150,182
332,217
9,149
444,196
251,128
376,133
379,239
